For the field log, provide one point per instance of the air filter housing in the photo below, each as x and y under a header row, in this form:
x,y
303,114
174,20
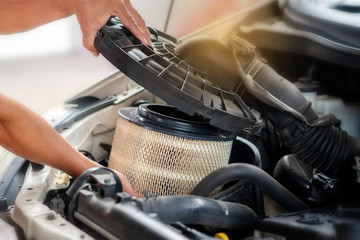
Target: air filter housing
x,y
163,151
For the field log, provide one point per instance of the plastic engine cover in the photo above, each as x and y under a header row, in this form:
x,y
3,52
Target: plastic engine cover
x,y
170,78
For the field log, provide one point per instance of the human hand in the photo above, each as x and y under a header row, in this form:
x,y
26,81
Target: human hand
x,y
126,184
93,15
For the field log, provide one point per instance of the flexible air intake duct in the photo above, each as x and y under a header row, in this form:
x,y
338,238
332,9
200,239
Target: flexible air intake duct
x,y
163,151
317,140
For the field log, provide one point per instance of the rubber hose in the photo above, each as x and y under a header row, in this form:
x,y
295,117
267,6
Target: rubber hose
x,y
199,210
255,175
317,142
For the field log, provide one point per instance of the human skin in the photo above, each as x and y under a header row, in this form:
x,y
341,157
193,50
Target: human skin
x,y
26,134
22,15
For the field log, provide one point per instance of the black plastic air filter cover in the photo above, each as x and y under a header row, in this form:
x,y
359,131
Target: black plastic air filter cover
x,y
170,78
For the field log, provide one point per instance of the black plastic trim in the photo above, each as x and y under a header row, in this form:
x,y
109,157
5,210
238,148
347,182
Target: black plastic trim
x,y
169,120
161,72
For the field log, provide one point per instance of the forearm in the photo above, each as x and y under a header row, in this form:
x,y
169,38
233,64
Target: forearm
x,y
23,15
28,135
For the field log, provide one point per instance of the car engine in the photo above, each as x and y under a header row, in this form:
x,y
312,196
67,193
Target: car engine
x,y
246,129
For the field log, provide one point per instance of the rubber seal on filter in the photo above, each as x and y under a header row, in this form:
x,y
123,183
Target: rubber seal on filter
x,y
170,120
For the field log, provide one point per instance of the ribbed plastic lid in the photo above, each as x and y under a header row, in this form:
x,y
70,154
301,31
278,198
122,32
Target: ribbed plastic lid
x,y
170,78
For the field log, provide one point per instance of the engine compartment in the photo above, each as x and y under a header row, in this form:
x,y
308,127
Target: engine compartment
x,y
267,192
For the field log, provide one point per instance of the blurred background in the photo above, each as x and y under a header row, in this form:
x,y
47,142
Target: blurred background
x,y
44,67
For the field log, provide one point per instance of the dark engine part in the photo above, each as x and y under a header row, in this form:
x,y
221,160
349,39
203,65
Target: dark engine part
x,y
94,196
99,175
123,221
200,211
99,207
328,224
243,171
186,90
317,140
293,174
310,185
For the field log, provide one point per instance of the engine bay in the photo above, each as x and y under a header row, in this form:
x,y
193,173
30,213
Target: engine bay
x,y
246,129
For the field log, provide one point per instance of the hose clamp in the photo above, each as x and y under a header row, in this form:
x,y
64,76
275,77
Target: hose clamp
x,y
321,180
302,127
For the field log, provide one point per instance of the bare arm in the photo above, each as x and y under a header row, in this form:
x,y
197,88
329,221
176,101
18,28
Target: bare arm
x,y
23,15
26,134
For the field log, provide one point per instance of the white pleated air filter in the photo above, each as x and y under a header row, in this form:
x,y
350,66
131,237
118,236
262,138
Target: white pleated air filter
x,y
163,151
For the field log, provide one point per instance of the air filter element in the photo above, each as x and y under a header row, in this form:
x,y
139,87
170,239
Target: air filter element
x,y
163,151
